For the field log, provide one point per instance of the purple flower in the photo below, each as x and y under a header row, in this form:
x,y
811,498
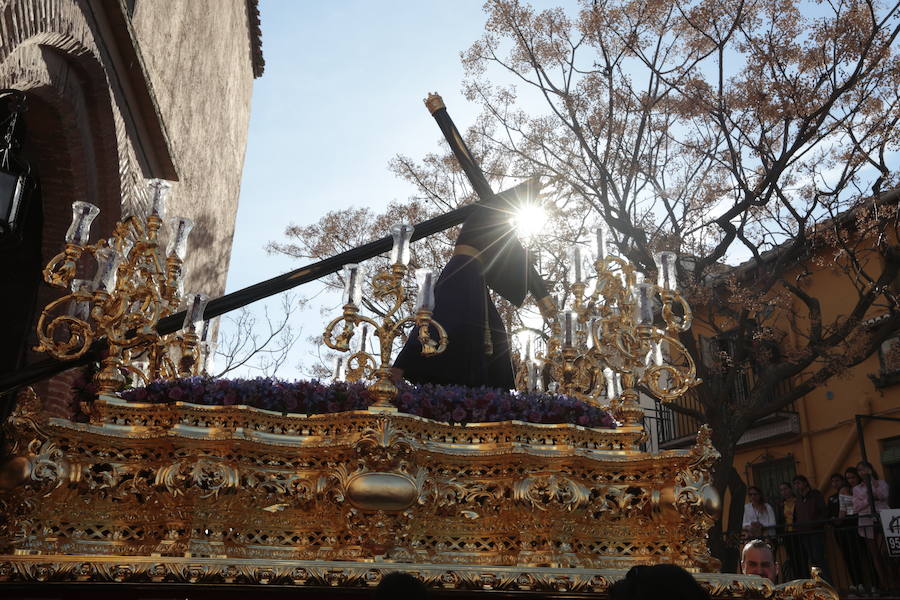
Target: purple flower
x,y
447,403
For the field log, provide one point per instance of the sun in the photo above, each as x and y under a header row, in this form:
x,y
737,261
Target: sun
x,y
529,221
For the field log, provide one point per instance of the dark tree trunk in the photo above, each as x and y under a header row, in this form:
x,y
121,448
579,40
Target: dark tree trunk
x,y
725,545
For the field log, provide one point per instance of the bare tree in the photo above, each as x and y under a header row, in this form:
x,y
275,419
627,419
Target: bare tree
x,y
262,347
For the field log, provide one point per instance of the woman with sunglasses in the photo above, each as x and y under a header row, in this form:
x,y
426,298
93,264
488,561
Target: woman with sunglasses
x,y
759,517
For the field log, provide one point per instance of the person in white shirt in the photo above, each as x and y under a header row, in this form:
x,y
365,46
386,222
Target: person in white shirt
x,y
759,517
862,504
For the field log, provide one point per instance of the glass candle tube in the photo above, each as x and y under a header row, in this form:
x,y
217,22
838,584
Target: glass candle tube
x,y
339,367
569,322
665,270
127,245
141,363
601,235
400,252
581,328
178,284
206,331
207,356
83,214
176,353
644,303
574,273
107,268
179,230
81,309
425,298
353,274
159,191
193,314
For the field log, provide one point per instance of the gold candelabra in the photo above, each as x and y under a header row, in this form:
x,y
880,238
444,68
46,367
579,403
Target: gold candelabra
x,y
133,287
387,285
608,345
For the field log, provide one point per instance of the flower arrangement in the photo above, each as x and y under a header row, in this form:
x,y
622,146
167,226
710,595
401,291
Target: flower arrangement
x,y
447,403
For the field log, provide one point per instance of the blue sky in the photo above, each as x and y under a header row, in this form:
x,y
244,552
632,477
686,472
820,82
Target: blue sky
x,y
341,95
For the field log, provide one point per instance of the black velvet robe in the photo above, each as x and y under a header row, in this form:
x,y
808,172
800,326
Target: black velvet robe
x,y
478,351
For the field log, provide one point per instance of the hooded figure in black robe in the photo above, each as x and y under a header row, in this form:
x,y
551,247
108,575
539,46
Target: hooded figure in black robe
x,y
487,255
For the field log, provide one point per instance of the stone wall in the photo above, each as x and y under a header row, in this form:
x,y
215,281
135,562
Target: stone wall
x,y
196,54
80,62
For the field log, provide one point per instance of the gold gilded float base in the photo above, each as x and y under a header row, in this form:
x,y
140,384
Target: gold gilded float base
x,y
221,494
463,578
234,481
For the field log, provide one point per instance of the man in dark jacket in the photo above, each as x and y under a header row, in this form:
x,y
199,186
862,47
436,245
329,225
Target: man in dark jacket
x,y
810,514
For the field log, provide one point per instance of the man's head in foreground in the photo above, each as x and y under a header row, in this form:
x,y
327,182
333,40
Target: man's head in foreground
x,y
400,586
757,558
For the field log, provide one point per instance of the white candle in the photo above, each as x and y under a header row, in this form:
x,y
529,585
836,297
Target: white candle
x,y
610,383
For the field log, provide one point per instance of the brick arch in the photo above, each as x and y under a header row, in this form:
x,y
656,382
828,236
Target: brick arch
x,y
57,23
85,126
50,53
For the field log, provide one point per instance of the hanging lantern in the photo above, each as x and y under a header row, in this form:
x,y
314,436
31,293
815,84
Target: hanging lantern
x,y
15,179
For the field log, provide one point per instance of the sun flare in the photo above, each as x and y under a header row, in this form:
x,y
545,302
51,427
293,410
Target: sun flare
x,y
529,221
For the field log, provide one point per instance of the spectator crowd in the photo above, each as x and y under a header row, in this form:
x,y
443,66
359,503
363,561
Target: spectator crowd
x,y
789,536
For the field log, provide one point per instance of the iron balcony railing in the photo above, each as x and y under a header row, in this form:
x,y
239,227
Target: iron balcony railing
x,y
676,428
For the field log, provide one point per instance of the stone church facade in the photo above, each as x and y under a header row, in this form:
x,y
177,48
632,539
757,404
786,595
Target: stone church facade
x,y
118,92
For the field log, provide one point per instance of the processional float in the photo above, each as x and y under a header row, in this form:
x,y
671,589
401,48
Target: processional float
x,y
185,493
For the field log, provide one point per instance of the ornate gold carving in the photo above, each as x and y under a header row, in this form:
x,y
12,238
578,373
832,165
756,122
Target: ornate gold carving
x,y
366,575
135,285
540,493
607,346
808,589
248,483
